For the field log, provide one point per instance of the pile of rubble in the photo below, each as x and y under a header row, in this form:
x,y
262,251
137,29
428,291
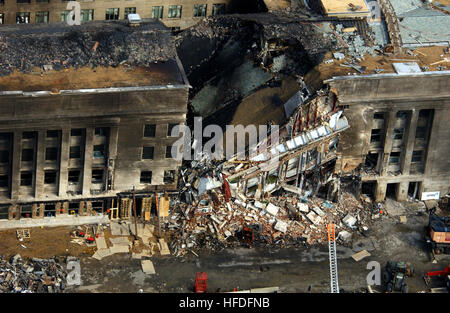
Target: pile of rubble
x,y
209,221
32,276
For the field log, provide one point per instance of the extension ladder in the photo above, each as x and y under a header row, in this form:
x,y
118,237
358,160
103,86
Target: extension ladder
x,y
334,284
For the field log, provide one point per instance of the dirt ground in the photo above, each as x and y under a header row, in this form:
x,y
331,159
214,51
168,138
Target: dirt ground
x,y
43,243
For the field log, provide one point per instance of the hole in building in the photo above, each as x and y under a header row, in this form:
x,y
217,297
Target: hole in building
x,y
146,177
50,210
74,176
368,188
413,189
169,177
391,190
371,161
26,211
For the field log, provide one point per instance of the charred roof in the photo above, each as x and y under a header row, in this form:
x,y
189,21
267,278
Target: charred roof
x,y
55,51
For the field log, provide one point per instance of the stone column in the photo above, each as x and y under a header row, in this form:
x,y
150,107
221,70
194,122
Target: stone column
x,y
64,163
16,157
388,141
434,140
380,191
409,147
87,162
40,162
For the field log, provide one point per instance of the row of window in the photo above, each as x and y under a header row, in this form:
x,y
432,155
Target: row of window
x,y
174,11
50,177
148,152
417,157
150,130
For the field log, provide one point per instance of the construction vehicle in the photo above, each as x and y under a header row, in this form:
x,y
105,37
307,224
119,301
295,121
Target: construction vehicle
x,y
445,274
437,233
395,274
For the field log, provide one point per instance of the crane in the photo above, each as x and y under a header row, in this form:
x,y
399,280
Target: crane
x,y
334,283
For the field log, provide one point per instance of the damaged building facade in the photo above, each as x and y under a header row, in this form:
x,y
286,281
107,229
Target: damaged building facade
x,y
72,139
399,137
177,14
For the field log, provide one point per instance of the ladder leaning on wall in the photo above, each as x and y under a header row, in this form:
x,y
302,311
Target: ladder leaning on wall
x,y
334,283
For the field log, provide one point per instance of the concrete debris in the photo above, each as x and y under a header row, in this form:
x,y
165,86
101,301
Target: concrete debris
x,y
349,220
360,255
147,267
32,276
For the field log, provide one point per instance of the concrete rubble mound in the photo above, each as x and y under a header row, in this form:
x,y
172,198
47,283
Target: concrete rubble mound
x,y
90,45
32,276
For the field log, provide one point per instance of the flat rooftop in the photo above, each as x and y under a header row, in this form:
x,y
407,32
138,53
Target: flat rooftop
x,y
96,54
157,74
343,8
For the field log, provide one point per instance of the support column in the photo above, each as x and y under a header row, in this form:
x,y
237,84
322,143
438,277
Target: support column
x,y
40,160
409,147
433,140
112,154
87,162
16,157
388,141
402,191
380,192
64,163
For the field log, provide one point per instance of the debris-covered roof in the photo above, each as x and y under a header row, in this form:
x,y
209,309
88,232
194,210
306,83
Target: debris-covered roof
x,y
37,57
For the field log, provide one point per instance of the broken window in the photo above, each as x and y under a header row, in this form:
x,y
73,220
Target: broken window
x,y
421,132
76,132
74,176
417,156
174,11
149,130
157,11
402,115
375,136
41,17
218,9
52,133
129,11
97,176
398,133
169,177
394,158
26,178
146,177
75,152
28,135
23,17
169,129
27,155
112,14
378,116
147,153
3,181
102,131
99,151
65,15
50,177
4,156
168,152
51,154
87,15
199,10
